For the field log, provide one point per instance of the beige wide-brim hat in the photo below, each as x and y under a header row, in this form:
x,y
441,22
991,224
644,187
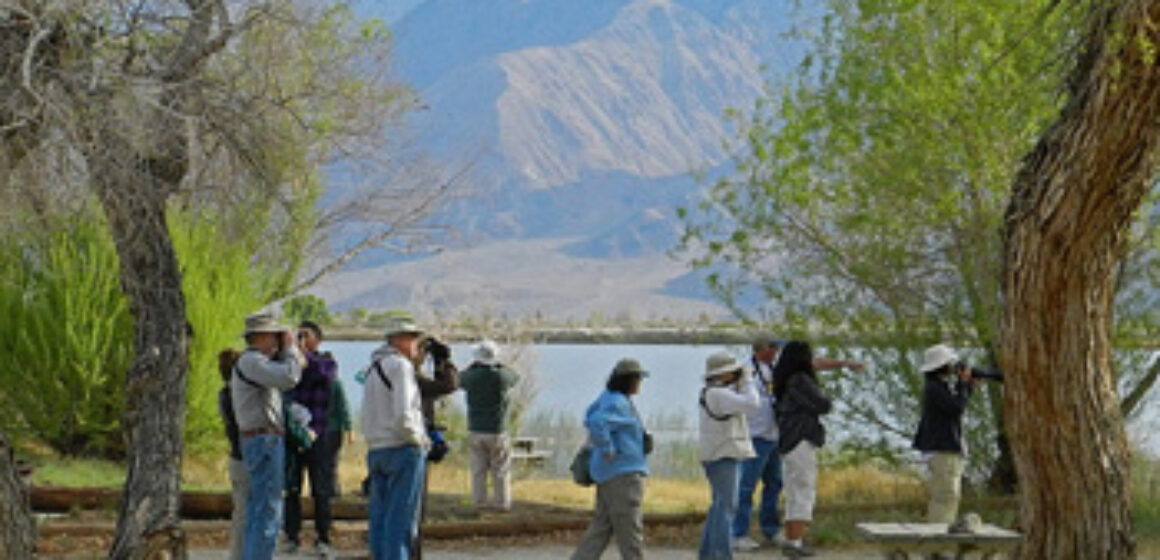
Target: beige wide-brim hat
x,y
402,324
721,363
487,352
937,356
263,322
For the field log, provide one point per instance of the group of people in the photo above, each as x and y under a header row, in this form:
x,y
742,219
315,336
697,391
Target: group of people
x,y
758,424
285,412
398,424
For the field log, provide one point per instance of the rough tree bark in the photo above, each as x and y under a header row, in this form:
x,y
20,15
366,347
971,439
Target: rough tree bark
x,y
17,531
1065,232
133,189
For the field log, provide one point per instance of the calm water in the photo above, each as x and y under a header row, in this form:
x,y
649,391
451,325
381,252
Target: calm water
x,y
570,376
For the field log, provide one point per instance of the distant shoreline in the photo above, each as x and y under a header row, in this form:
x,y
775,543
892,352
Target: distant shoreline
x,y
691,336
603,335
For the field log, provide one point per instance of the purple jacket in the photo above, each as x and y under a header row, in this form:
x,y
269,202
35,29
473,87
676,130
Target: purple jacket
x,y
313,390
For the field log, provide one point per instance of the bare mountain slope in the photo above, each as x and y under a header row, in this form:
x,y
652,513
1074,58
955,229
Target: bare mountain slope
x,y
582,120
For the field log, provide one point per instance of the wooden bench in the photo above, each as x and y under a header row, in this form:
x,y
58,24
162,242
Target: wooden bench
x,y
900,540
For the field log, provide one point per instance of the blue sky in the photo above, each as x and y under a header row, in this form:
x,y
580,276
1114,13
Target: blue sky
x,y
390,11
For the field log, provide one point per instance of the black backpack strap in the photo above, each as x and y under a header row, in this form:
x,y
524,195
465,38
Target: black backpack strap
x,y
251,382
713,415
379,370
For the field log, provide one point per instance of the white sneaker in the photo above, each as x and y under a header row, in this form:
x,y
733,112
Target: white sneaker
x,y
745,544
323,550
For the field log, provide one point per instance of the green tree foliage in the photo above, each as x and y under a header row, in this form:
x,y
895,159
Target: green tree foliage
x,y
306,308
222,285
870,188
65,340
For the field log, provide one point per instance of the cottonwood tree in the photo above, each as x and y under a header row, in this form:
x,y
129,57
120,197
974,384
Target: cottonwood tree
x,y
1066,231
195,104
17,530
869,189
868,199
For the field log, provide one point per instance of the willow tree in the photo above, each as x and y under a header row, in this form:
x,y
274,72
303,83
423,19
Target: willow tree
x,y
228,108
1066,232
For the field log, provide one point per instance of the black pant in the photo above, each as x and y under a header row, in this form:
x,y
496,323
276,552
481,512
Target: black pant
x,y
316,462
333,447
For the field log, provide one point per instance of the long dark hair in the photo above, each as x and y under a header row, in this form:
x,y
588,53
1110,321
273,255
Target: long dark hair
x,y
796,357
226,360
621,383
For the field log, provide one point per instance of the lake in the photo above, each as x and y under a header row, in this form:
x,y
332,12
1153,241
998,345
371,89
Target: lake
x,y
570,376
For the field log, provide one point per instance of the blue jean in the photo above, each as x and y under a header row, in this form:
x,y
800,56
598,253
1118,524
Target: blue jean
x,y
723,475
396,494
766,467
263,456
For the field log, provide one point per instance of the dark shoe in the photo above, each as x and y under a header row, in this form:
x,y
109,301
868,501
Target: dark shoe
x,y
803,551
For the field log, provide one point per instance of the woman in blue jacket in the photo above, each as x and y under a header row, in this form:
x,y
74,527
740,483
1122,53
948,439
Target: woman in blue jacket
x,y
617,437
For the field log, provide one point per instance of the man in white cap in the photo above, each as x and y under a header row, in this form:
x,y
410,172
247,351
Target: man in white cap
x,y
271,364
396,436
940,431
487,383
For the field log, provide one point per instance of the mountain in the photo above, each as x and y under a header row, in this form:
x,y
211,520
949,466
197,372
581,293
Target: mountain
x,y
581,121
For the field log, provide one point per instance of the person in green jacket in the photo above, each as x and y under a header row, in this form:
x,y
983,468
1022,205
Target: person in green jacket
x,y
487,383
338,429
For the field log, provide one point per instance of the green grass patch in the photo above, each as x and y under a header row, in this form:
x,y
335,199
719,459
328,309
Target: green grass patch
x,y
79,473
1146,518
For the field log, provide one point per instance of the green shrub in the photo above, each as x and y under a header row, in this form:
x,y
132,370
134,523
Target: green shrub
x,y
66,340
66,335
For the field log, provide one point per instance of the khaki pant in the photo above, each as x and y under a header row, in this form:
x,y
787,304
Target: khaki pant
x,y
491,454
240,484
945,487
800,479
618,513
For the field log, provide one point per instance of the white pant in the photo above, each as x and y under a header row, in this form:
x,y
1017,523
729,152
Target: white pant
x,y
491,453
800,469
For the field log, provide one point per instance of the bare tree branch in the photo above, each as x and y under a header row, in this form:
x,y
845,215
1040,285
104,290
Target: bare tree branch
x,y
1132,399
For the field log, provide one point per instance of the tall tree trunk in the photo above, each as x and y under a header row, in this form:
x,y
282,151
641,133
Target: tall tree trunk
x,y
1065,232
17,531
133,189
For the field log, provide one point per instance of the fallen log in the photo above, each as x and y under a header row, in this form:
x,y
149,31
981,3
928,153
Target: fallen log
x,y
194,505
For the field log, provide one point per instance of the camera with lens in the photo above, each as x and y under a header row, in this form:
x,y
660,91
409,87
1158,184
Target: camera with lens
x,y
979,373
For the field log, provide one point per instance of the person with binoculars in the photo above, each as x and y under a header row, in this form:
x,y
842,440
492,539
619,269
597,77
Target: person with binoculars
x,y
272,363
948,387
313,392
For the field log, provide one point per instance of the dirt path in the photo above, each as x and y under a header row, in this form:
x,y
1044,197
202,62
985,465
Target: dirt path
x,y
554,552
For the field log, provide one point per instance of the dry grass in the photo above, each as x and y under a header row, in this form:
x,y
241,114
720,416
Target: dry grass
x,y
865,484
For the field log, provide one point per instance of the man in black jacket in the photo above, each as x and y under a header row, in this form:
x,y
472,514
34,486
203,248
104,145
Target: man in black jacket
x,y
940,431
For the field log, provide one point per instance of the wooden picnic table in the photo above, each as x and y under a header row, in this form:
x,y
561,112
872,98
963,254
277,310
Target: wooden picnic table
x,y
900,540
526,452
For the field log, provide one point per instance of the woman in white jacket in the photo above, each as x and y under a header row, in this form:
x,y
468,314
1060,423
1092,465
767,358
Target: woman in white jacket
x,y
724,444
